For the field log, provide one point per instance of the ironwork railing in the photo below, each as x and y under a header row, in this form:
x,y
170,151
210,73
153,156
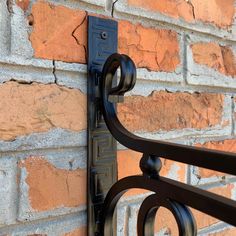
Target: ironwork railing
x,y
175,196
104,128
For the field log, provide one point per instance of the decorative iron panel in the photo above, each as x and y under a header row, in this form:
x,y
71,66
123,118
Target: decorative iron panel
x,y
170,194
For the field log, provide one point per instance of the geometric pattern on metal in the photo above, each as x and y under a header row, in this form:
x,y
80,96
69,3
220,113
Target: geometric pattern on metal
x,y
102,167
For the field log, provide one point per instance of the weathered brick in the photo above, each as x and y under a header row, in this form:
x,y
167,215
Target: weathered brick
x,y
23,4
50,187
154,49
59,33
219,13
128,164
204,220
173,8
53,37
165,220
225,145
78,232
37,108
213,55
168,111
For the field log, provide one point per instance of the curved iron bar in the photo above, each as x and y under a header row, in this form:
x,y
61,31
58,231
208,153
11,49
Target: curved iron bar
x,y
217,206
183,216
215,160
168,193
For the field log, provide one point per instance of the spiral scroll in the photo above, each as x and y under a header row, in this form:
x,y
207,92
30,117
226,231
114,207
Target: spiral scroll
x,y
173,195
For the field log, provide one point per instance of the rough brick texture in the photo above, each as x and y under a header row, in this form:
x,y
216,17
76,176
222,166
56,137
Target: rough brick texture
x,y
168,111
50,187
184,51
220,58
37,108
153,49
212,11
59,33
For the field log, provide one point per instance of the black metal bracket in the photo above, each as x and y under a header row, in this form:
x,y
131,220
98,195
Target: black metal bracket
x,y
102,167
104,191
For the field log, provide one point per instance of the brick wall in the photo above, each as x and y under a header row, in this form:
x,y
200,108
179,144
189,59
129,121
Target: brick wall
x,y
185,54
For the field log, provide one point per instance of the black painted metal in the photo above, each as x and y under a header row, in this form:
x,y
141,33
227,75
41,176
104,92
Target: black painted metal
x,y
173,195
102,170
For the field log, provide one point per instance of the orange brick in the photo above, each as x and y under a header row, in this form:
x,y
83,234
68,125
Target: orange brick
x,y
219,13
128,164
53,37
78,232
173,8
23,4
220,58
59,33
225,145
165,220
50,187
204,220
162,54
226,232
38,107
169,111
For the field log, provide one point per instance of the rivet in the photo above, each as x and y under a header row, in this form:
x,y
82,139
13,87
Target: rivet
x,y
104,35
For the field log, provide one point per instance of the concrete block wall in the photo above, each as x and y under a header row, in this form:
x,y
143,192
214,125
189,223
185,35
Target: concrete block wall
x,y
185,54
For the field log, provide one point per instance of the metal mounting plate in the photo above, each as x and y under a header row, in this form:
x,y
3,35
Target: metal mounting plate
x,y
102,167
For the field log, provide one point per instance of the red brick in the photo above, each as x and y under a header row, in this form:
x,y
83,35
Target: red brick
x,y
225,145
23,4
154,49
170,111
78,232
50,187
216,12
38,107
128,164
219,13
55,38
173,8
220,58
59,33
165,220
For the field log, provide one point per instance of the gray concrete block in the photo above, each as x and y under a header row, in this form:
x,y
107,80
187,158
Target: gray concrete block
x,y
5,32
8,191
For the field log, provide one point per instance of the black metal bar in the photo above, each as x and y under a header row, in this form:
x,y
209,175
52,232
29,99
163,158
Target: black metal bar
x,y
209,203
102,168
146,216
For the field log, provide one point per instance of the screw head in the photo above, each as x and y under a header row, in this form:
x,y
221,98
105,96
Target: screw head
x,y
104,35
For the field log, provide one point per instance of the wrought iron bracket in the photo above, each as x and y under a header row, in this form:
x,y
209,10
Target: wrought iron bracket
x,y
102,167
104,190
